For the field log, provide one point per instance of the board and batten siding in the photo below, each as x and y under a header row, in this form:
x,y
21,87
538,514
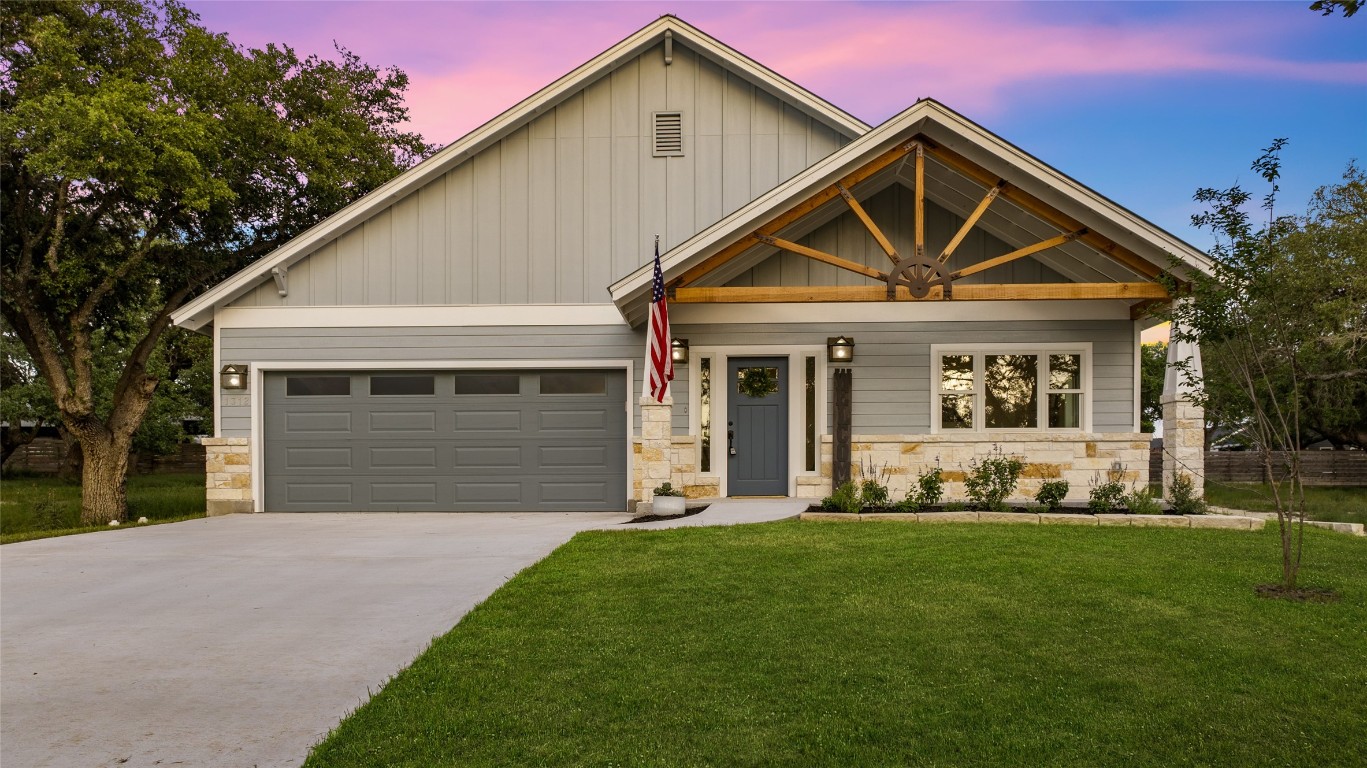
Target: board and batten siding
x,y
892,368
893,210
569,203
892,365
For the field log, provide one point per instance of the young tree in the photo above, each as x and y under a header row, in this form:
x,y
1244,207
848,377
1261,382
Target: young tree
x,y
1285,315
143,158
1153,363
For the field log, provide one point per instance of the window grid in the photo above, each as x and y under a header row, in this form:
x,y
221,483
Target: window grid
x,y
1070,395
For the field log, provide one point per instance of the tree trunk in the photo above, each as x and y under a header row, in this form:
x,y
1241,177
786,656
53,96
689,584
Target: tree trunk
x,y
104,479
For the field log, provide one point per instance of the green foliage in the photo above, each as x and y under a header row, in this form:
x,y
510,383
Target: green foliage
x,y
955,506
1106,497
845,498
992,479
1327,7
873,484
1184,499
1141,502
1051,494
926,493
144,158
666,489
1153,364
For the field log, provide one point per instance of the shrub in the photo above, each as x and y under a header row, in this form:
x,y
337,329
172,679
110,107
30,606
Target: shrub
x,y
927,492
668,490
955,506
1051,494
991,480
1106,497
1184,500
845,498
873,485
1141,502
49,515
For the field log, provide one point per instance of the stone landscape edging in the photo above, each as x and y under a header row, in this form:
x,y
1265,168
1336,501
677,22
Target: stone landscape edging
x,y
1228,522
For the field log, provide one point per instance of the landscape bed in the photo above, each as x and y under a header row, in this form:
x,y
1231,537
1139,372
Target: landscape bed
x,y
796,644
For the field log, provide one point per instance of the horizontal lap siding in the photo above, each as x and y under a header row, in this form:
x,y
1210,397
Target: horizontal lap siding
x,y
379,345
892,365
570,202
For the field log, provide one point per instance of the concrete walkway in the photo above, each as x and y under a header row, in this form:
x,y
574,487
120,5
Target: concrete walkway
x,y
241,640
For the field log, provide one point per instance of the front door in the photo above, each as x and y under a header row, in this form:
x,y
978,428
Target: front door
x,y
757,426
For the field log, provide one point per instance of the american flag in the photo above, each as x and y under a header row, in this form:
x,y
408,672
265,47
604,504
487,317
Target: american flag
x,y
659,361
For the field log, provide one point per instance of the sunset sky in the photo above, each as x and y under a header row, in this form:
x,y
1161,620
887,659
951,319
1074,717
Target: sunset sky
x,y
1143,102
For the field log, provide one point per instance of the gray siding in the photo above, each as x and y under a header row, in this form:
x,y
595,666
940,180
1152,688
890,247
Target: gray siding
x,y
561,208
891,370
892,365
893,210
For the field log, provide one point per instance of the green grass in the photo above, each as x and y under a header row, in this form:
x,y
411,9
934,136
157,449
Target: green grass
x,y
797,644
39,507
1339,504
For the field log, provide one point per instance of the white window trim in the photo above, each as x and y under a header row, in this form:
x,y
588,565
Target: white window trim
x,y
258,399
797,405
938,351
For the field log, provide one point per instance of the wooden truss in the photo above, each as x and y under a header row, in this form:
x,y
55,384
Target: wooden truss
x,y
915,276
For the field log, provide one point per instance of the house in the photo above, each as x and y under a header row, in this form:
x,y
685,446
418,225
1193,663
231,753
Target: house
x,y
470,335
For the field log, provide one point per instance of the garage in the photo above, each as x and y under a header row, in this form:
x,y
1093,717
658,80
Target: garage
x,y
432,441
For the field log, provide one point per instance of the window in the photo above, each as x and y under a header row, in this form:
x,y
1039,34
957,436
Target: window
x,y
809,366
575,383
705,412
487,383
403,385
317,386
1008,388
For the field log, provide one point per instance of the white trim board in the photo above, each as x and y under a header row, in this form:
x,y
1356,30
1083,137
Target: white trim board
x,y
256,445
470,315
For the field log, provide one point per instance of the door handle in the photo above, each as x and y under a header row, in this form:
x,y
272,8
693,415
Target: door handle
x,y
730,440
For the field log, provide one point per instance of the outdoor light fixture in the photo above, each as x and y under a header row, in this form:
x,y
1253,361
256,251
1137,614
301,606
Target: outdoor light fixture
x,y
678,350
233,376
840,349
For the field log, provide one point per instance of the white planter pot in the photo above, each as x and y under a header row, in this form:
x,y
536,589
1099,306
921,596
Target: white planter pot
x,y
668,505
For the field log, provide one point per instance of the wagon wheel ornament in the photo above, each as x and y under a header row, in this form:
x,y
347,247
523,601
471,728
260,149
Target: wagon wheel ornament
x,y
919,275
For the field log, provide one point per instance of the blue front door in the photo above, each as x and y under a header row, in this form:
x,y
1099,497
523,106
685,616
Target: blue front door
x,y
757,426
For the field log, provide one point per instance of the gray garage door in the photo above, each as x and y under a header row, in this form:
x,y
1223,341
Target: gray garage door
x,y
477,441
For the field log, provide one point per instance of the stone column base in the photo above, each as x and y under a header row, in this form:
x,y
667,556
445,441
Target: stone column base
x,y
227,476
1184,445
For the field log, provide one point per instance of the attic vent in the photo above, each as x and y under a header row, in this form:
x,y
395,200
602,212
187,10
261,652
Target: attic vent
x,y
668,134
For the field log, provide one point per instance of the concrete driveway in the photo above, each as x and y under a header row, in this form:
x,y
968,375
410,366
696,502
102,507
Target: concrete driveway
x,y
234,641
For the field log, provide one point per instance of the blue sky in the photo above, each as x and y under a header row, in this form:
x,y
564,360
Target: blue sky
x,y
1142,101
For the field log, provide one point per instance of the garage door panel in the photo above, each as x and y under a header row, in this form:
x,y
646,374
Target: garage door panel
x,y
505,450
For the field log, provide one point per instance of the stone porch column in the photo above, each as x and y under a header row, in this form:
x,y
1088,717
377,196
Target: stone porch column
x,y
1184,422
654,468
227,475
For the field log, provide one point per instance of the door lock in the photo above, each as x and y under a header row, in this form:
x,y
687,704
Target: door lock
x,y
730,439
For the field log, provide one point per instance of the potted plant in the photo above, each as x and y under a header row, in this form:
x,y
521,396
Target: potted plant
x,y
668,501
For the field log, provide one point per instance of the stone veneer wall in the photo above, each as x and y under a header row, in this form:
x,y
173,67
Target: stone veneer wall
x,y
684,451
1081,459
227,475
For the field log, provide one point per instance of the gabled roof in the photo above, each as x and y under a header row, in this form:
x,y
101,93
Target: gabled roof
x,y
199,312
933,121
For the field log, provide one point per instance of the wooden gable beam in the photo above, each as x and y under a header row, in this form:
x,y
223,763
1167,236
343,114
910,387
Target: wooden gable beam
x,y
984,292
920,202
1039,208
791,215
873,229
822,256
972,220
1019,253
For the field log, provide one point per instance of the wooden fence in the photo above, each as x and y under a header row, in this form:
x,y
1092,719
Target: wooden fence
x,y
44,456
1317,467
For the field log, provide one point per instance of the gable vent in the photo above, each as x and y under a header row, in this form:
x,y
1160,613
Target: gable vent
x,y
668,134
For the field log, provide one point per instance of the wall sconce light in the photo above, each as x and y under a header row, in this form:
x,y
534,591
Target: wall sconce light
x,y
840,349
233,376
678,350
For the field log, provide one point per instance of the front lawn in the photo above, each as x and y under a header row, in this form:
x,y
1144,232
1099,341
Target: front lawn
x,y
38,507
1343,504
890,644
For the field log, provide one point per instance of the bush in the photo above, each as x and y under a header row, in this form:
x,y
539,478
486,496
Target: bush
x,y
1051,494
1184,500
845,498
873,485
955,506
991,480
1106,497
1141,502
668,490
927,492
